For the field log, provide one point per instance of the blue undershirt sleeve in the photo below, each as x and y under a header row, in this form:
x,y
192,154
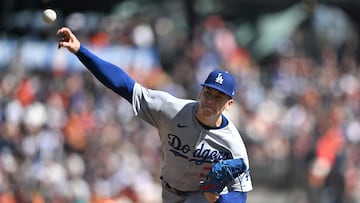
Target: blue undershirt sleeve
x,y
107,73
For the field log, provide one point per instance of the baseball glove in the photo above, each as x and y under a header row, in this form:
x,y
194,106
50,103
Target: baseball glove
x,y
221,174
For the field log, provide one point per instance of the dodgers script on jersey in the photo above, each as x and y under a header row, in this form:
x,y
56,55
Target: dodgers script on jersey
x,y
189,149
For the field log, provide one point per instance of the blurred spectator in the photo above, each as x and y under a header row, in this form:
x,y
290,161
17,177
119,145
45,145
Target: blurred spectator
x,y
66,139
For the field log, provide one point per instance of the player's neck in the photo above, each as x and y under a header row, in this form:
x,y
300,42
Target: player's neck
x,y
210,121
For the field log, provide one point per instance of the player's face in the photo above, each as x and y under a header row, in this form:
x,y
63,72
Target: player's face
x,y
213,102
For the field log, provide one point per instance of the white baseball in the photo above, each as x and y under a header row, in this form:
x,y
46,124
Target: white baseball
x,y
49,15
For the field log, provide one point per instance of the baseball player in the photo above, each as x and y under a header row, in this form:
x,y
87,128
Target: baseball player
x,y
204,157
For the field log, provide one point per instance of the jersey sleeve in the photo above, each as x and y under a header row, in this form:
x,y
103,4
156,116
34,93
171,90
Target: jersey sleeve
x,y
156,107
147,104
107,73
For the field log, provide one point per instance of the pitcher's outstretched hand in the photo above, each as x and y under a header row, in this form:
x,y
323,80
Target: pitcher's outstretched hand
x,y
68,40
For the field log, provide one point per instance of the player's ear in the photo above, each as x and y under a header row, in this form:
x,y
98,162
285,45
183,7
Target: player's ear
x,y
229,103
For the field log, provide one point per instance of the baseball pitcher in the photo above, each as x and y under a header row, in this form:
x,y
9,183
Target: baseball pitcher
x,y
204,156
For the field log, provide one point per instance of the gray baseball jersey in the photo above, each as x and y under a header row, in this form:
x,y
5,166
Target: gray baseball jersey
x,y
189,149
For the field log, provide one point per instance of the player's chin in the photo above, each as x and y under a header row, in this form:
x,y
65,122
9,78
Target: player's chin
x,y
208,111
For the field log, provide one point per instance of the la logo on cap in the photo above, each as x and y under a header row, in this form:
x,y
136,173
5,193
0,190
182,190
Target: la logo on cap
x,y
222,81
219,79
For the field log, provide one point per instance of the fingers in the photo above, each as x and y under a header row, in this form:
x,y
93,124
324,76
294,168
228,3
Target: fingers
x,y
63,43
211,197
68,40
64,30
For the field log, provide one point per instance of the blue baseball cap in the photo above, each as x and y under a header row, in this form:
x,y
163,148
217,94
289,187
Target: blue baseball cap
x,y
222,81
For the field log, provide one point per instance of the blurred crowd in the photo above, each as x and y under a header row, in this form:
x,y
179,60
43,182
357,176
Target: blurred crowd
x,y
65,138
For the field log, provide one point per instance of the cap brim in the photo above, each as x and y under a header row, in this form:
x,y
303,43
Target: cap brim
x,y
216,88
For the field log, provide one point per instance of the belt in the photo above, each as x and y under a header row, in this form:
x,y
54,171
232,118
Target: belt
x,y
174,190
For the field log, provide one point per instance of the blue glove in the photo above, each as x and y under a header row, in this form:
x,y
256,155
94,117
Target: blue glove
x,y
232,197
221,174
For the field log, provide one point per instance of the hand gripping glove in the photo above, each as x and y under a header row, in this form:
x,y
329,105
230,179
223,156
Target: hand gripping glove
x,y
221,174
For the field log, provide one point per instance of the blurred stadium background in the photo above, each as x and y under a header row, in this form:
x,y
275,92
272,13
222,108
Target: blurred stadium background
x,y
64,138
